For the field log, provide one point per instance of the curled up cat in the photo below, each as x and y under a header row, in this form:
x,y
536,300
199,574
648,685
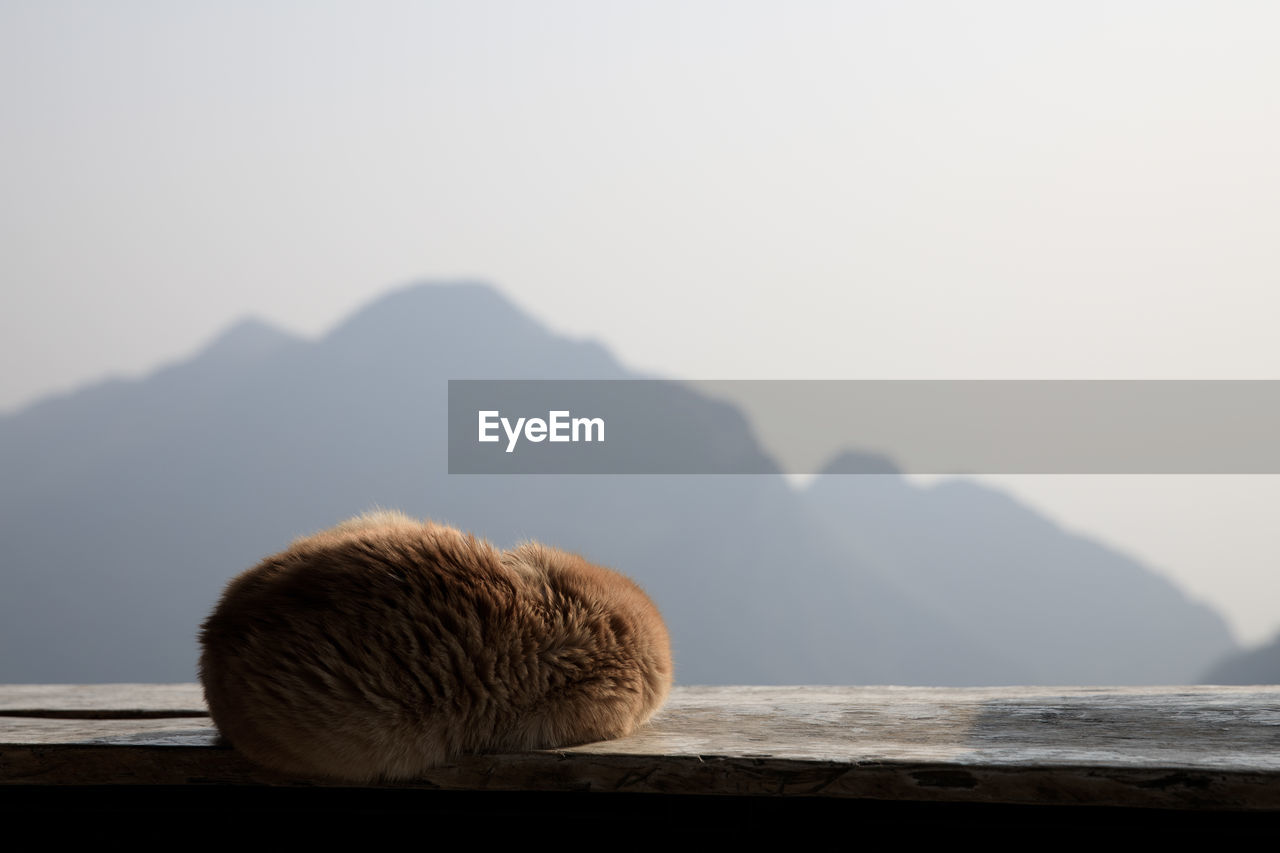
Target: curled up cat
x,y
385,646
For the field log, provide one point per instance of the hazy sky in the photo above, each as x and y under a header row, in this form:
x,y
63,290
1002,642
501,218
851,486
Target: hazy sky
x,y
715,190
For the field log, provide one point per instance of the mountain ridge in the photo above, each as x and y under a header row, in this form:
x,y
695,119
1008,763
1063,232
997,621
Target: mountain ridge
x,y
128,508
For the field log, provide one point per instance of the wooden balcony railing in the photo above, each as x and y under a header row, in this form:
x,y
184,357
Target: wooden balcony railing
x,y
1174,759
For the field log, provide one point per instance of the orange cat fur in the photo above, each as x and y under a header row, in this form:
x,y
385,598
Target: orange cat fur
x,y
384,646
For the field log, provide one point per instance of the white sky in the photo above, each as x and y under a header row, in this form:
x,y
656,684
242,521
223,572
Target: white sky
x,y
714,190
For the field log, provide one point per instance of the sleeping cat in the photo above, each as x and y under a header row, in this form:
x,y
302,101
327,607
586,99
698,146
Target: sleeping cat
x,y
385,646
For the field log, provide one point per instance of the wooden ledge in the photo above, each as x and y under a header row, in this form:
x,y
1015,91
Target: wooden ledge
x,y
1187,748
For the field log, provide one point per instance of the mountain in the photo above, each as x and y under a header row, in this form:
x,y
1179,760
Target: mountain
x,y
1062,604
1260,665
125,508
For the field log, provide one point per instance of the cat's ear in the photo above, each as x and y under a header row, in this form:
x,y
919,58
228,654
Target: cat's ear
x,y
528,551
527,558
377,518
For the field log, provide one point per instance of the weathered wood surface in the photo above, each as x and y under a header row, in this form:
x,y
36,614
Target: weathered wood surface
x,y
88,701
1184,747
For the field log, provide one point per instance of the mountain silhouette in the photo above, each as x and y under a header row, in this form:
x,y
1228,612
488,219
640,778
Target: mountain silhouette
x,y
1061,603
126,507
1259,665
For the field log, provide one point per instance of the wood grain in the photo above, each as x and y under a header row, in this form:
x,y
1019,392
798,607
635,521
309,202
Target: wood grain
x,y
1183,747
